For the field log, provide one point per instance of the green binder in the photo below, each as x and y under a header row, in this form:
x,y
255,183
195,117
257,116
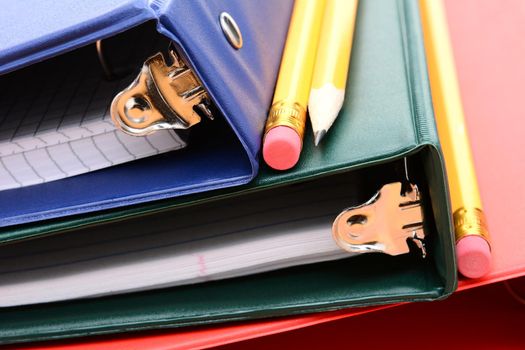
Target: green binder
x,y
387,117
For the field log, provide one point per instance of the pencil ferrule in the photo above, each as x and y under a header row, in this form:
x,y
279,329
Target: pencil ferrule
x,y
285,113
470,222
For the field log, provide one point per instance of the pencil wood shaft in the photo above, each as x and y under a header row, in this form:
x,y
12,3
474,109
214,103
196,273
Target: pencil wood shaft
x,y
297,64
464,192
331,64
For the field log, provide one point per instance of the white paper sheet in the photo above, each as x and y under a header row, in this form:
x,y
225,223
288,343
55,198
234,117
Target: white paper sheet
x,y
57,124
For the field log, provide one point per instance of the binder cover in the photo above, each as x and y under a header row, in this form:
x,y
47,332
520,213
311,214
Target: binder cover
x,y
466,21
387,116
240,83
473,315
470,308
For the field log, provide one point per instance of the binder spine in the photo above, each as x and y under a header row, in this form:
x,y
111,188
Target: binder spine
x,y
417,75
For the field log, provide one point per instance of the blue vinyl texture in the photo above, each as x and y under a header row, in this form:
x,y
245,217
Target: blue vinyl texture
x,y
241,83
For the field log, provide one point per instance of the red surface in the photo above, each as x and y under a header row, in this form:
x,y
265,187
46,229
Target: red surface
x,y
489,49
489,45
484,318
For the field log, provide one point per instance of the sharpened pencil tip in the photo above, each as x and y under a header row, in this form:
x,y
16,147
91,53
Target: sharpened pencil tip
x,y
318,136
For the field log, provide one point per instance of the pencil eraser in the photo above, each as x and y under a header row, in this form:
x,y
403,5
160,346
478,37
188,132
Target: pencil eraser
x,y
282,147
473,254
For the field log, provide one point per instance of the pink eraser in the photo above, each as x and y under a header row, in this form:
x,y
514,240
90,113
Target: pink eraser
x,y
281,147
473,254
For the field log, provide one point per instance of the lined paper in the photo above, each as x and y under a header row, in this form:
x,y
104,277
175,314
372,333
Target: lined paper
x,y
224,239
55,123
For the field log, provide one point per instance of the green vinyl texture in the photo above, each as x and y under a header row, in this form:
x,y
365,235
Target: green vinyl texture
x,y
387,115
387,112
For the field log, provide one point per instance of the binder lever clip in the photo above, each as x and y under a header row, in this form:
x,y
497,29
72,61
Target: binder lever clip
x,y
161,97
384,223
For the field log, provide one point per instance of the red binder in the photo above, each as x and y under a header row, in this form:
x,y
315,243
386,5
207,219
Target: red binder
x,y
489,49
463,321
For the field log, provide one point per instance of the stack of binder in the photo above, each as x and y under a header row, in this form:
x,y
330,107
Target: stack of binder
x,y
90,254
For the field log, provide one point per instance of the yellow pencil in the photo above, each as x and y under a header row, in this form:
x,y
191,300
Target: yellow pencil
x,y
331,65
286,121
472,238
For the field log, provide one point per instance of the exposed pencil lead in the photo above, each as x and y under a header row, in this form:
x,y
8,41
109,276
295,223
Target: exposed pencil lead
x,y
318,136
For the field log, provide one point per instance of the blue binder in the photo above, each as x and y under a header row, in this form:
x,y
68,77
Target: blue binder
x,y
240,83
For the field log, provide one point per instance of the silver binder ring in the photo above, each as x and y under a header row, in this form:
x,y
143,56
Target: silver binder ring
x,y
103,60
